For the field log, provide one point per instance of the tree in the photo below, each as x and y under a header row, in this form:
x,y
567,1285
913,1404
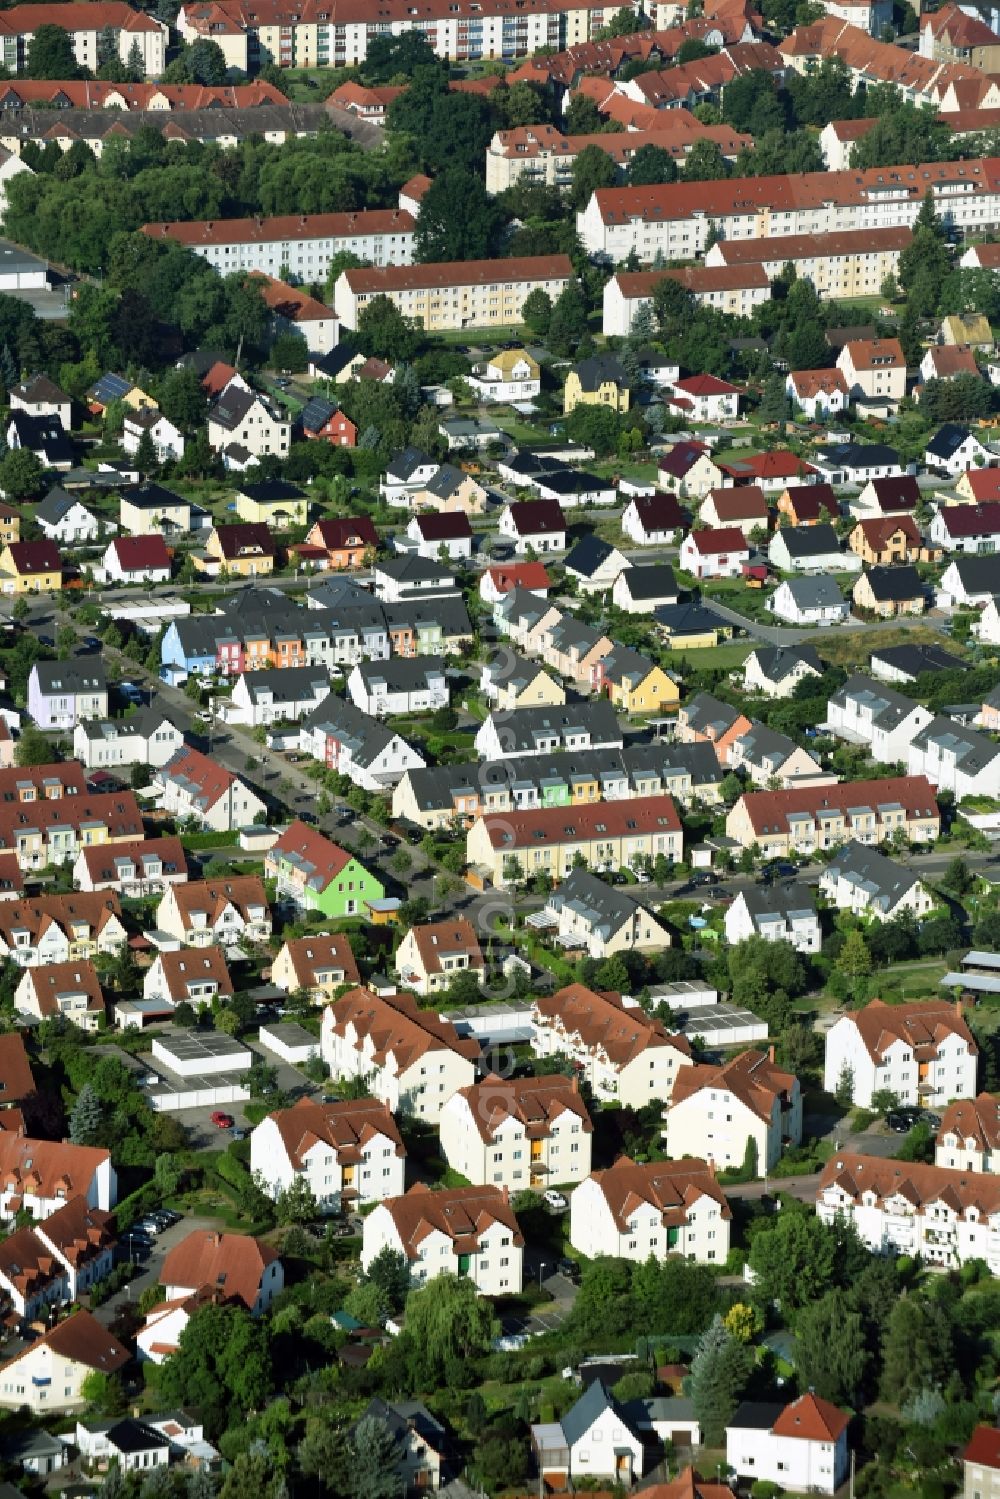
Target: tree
x,y
957,877
704,163
20,474
831,1353
917,1351
719,1370
374,1461
793,1260
390,1272
844,1091
51,55
296,1203
145,454
458,219
103,1393
593,168
87,1117
567,325
693,49
774,400
33,748
384,332
652,165
222,1365
537,311
290,352
854,960
447,1323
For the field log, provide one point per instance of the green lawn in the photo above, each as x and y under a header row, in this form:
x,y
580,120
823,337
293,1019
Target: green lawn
x,y
712,658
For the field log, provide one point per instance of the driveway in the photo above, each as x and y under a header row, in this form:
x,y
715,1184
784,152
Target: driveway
x,y
149,1275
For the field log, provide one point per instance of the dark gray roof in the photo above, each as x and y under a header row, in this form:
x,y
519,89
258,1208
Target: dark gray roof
x,y
814,593
448,612
626,665
972,750
522,728
888,708
947,440
765,747
288,685
755,1414
401,673
895,584
779,661
977,574
913,659
858,455
707,712
56,504
689,618
406,463
80,674
651,582
363,735
415,569
809,541
764,900
884,880
598,370
605,908
588,1410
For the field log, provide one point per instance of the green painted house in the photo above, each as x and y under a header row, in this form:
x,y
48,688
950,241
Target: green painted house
x,y
319,875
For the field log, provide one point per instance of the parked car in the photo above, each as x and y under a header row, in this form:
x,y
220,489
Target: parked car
x,y
901,1121
570,1269
222,1120
555,1201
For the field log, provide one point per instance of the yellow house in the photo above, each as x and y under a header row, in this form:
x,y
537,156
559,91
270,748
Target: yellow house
x,y
275,503
973,330
451,490
635,684
511,681
245,551
599,381
112,388
10,525
30,567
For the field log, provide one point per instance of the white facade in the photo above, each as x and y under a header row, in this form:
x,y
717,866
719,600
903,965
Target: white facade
x,y
634,528
858,714
798,1464
457,548
509,1157
698,555
524,541
787,602
384,691
102,744
76,525
167,440
877,1061
495,1268
421,1088
378,1172
265,702
594,1229
302,248
799,928
648,1076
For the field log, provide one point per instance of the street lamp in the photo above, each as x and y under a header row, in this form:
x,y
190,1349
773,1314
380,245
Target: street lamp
x,y
541,1267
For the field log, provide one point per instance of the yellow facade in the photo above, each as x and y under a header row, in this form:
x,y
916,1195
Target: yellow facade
x,y
279,513
608,393
542,691
13,582
138,400
253,565
693,642
655,692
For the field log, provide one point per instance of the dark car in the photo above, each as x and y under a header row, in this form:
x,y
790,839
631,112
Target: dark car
x,y
570,1269
308,817
414,836
388,841
901,1121
706,878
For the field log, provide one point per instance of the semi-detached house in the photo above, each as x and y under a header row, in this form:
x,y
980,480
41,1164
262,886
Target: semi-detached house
x,y
465,1231
317,875
54,832
866,712
923,1052
518,1132
455,295
301,245
611,835
620,1050
348,1152
802,820
194,785
412,1059
49,1375
801,1447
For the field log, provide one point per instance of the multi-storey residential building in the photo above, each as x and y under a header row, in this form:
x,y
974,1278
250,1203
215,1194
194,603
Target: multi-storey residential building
x,y
464,1231
968,1137
945,1217
201,913
591,914
981,1464
399,686
53,832
442,795
431,956
542,153
49,1375
301,245
717,1111
955,758
41,1176
609,836
923,1052
708,720
270,697
185,977
347,1152
544,731
148,737
469,294
345,739
246,1271
131,29
802,820
837,264
243,425
802,1445
518,1132
318,875
867,712
619,1049
673,220
875,373
196,786
633,1211
412,1059
777,916
50,1263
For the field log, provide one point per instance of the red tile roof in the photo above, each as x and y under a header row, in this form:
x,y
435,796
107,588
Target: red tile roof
x,y
455,936
102,859
47,1168
881,528
396,1027
528,268
136,553
245,539
308,850
812,1419
206,779
921,1025
714,541
16,1080
983,1447
347,1125
291,226
231,1263
55,979
537,517
600,1020
984,483
33,557
80,1339
325,950
558,825
338,534
751,1077
461,1214
976,1119
770,811
705,385
529,575
535,1102
193,965
971,520
671,1187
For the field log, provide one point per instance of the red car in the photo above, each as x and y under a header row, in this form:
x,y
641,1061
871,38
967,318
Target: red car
x,y
221,1120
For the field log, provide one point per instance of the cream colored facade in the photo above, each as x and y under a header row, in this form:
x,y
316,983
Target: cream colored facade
x,y
598,850
703,1235
646,1077
715,1123
421,1088
829,826
541,691
856,273
511,1158
440,305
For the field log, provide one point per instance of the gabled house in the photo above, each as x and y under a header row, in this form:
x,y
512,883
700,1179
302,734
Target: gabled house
x,y
594,1440
184,976
518,1132
885,540
411,1058
345,543
272,696
508,375
62,694
875,374
640,590
572,648
810,549
408,579
705,719
447,531
345,739
776,670
608,835
633,1211
819,394
497,582
802,1445
866,712
30,567
40,396
167,439
137,559
885,495
430,956
776,916
52,1263
808,601
705,398
243,426
534,525
979,485
969,581
207,913
595,564
955,758
246,1271
634,683
39,1177
194,785
540,731
967,528
70,990
49,1374
420,1444
452,491
148,737
401,685
142,868
64,518
923,1052
949,362
857,463
711,553
596,916
715,1111
653,520
968,1137
972,331
767,756
890,591
242,550
319,964
407,473
808,505
315,874
511,681
905,663
42,435
42,929
744,507
867,883
622,1052
323,421
688,469
954,449
464,1231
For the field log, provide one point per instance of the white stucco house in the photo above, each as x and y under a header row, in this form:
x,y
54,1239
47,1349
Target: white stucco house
x,y
922,1052
348,1152
633,1211
464,1231
802,1447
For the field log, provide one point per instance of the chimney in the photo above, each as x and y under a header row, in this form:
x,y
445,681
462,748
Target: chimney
x,y
770,1055
506,1194
711,1167
959,1009
575,1081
